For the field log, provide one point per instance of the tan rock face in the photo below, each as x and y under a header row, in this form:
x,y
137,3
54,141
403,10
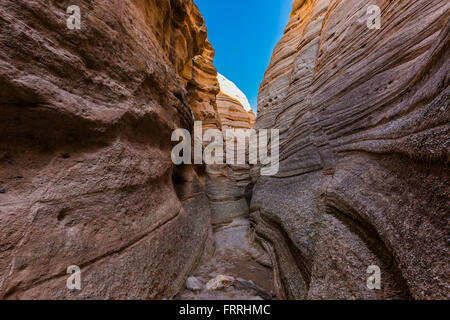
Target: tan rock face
x,y
226,184
234,109
85,169
364,180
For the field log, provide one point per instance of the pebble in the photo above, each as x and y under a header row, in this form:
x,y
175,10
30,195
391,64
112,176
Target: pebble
x,y
219,283
193,284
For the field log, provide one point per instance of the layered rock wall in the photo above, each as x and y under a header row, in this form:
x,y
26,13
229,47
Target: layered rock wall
x,y
227,183
364,169
234,109
86,119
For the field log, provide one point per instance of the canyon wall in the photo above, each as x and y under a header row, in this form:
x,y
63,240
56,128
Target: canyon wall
x,y
227,183
364,143
86,176
234,109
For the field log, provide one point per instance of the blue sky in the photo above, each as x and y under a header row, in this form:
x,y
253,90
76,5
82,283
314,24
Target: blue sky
x,y
244,34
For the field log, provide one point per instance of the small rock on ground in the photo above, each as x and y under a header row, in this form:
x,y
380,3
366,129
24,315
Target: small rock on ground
x,y
219,283
193,284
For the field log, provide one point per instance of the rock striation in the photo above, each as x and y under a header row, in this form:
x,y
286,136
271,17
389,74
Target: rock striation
x,y
233,106
239,268
85,168
226,183
364,169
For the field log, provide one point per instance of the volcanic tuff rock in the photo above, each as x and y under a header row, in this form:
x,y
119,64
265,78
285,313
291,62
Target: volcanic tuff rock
x,y
364,169
86,123
226,184
233,106
236,253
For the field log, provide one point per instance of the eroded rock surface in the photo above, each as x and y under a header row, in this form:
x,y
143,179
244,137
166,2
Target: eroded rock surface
x,y
234,109
227,183
239,268
364,169
86,121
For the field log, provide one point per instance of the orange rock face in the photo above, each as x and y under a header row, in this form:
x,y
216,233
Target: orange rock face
x,y
86,176
364,122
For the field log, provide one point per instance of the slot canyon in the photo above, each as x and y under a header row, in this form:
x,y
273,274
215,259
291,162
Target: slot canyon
x,y
86,176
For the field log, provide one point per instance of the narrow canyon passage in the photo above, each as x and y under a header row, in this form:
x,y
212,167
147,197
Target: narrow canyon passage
x,y
238,256
239,268
87,177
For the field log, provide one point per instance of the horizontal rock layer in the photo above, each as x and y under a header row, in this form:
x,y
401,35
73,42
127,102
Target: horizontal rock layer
x,y
85,168
232,113
226,184
364,169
